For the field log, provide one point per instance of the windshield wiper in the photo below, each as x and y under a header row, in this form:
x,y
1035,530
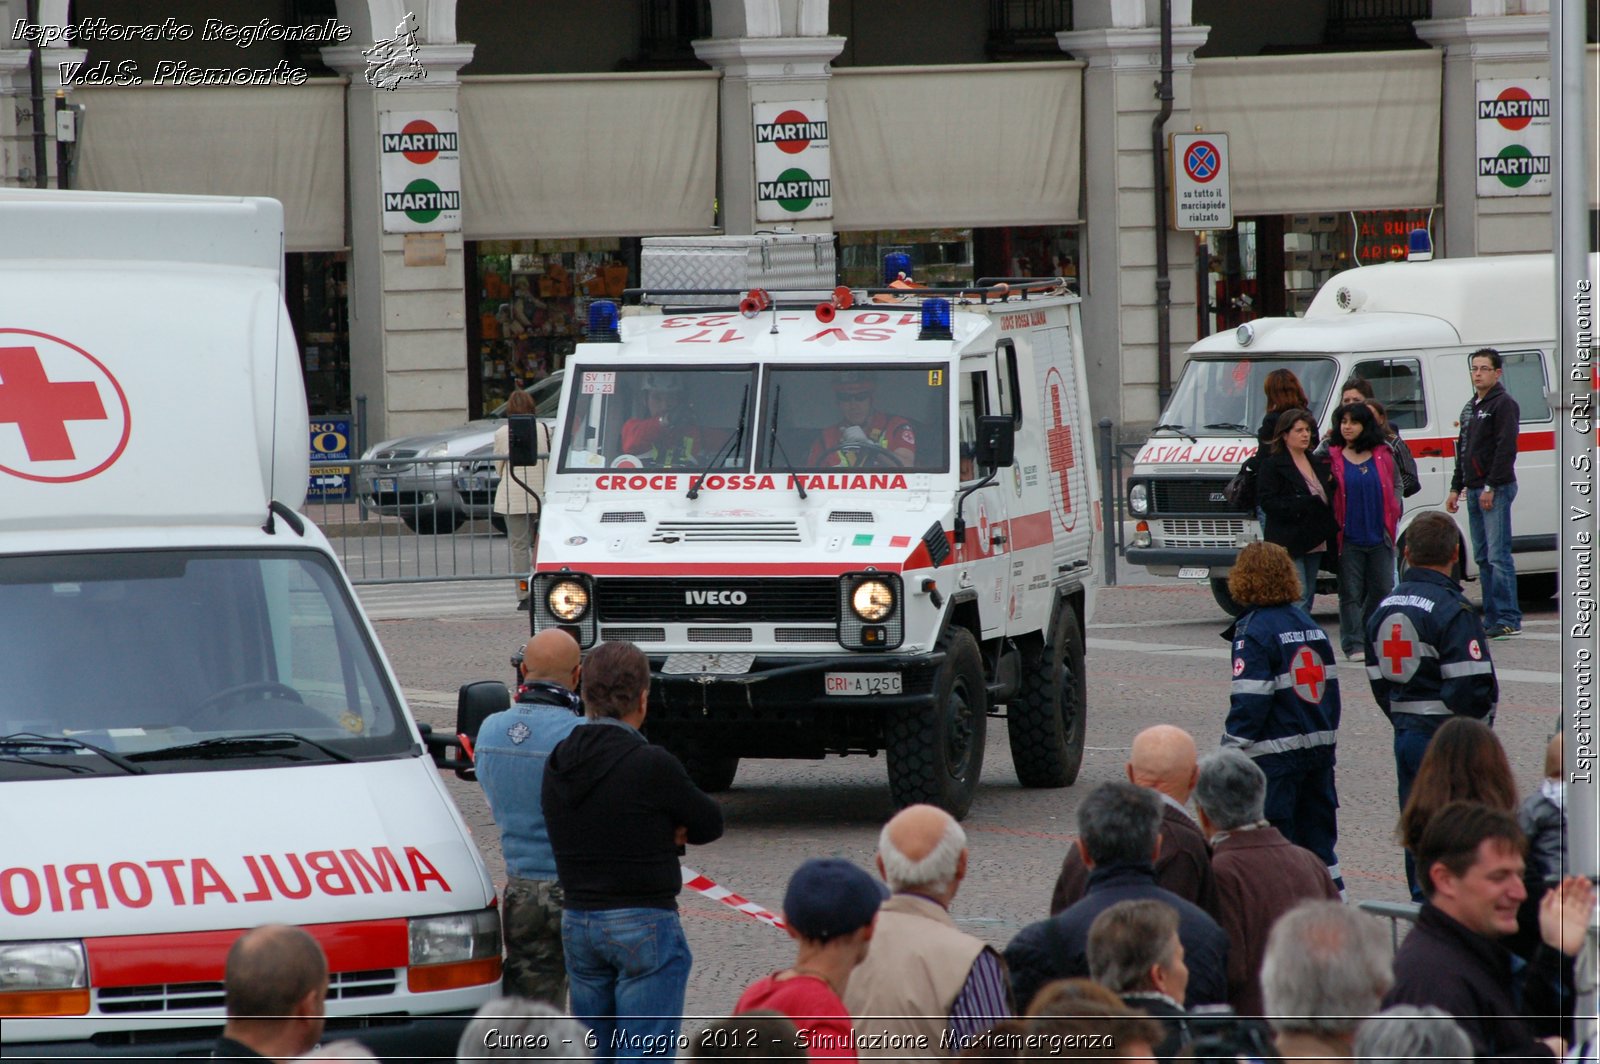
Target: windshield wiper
x,y
1175,428
237,746
728,448
773,441
1234,425
9,743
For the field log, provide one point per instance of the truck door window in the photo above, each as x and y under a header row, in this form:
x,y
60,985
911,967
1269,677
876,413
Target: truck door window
x,y
974,404
1005,353
1523,375
658,417
853,415
1397,384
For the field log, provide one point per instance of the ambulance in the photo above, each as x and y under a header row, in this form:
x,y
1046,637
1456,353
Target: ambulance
x,y
199,733
850,526
1409,328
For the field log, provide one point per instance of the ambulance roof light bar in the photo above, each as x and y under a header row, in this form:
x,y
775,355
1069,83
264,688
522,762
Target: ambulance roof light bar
x,y
896,267
1419,246
935,320
603,322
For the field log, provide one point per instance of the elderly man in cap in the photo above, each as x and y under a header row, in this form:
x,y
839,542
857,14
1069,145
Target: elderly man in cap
x,y
925,976
864,435
830,910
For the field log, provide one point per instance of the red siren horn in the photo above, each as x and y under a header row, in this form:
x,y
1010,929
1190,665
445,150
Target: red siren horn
x,y
825,312
754,303
842,297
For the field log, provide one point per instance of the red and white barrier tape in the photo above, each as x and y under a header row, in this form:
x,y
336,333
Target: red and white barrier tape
x,y
704,885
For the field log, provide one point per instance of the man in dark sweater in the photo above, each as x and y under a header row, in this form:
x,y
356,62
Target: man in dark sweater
x,y
1470,862
619,811
1486,471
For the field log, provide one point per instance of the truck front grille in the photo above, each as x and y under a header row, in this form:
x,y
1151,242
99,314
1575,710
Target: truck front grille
x,y
1196,532
185,997
624,600
1197,496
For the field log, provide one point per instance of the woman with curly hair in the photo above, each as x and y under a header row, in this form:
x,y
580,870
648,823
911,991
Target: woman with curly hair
x,y
1366,506
1283,704
1464,762
1295,489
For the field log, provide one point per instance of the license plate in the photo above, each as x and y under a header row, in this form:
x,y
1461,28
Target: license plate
x,y
1193,572
386,487
862,683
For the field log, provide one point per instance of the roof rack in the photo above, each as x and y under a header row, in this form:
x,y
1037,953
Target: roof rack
x,y
985,290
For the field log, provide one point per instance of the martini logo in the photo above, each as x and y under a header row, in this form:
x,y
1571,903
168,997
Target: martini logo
x,y
63,416
422,201
1515,166
1513,108
794,190
420,142
792,132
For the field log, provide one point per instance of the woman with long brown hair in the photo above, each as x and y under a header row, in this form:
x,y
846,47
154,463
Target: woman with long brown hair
x,y
1464,762
1284,392
1295,489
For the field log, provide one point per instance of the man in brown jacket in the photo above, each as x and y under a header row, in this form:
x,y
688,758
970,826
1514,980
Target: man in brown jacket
x,y
1164,759
924,982
1260,874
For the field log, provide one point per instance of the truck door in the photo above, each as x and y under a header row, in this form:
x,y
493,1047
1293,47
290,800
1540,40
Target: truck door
x,y
983,554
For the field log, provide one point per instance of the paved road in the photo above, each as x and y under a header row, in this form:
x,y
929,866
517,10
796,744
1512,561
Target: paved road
x,y
1154,656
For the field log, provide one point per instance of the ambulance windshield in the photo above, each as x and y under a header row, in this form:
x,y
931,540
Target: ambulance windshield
x,y
145,655
855,416
660,417
1225,397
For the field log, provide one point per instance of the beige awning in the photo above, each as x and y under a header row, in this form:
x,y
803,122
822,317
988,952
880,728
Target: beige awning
x,y
1326,132
944,146
588,155
283,141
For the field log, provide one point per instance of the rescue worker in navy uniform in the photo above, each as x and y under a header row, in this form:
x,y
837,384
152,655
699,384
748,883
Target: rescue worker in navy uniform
x,y
667,437
1283,711
1427,655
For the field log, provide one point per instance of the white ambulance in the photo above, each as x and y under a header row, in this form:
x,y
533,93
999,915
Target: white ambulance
x,y
1407,327
199,733
841,528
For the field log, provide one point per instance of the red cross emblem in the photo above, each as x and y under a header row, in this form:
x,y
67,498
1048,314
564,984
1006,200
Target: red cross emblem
x,y
69,414
1308,675
1399,649
1058,443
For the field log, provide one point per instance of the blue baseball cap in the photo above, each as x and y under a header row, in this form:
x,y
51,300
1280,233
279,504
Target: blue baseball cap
x,y
829,897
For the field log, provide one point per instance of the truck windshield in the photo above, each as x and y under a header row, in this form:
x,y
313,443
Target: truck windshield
x,y
138,654
1224,397
855,416
631,417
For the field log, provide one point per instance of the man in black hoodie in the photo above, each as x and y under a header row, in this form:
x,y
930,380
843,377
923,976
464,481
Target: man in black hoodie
x,y
1486,466
619,810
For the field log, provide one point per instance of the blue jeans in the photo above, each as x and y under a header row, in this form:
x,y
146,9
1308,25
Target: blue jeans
x,y
1307,565
1366,576
1303,804
1491,549
628,969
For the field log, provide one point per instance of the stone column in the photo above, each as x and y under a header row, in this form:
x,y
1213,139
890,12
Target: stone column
x,y
1485,39
772,51
1120,40
16,92
408,334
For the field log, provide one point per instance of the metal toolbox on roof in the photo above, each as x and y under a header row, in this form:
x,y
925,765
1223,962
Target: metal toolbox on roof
x,y
801,263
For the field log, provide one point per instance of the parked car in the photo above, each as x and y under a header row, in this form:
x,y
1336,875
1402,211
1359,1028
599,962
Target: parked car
x,y
437,481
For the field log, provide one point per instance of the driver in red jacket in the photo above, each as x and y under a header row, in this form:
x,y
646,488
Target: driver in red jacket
x,y
861,428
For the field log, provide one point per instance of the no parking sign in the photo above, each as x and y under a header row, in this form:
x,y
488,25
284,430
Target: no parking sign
x,y
1200,194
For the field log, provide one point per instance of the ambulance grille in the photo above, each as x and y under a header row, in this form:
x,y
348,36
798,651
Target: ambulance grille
x,y
633,635
806,635
1196,496
184,997
720,635
726,532
617,517
731,599
860,517
1196,532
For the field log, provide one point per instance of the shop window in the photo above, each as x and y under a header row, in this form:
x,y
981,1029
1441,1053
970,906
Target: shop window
x,y
532,304
960,256
1397,384
1522,372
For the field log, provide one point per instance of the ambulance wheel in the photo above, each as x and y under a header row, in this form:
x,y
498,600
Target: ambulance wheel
x,y
432,522
937,758
1048,720
1224,597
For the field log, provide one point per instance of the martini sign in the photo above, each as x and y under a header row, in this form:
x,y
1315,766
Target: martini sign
x,y
794,176
421,171
1514,138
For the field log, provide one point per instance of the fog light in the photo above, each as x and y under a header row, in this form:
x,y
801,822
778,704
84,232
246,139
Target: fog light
x,y
874,635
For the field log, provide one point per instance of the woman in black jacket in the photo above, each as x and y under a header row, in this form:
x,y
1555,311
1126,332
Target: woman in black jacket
x,y
1295,489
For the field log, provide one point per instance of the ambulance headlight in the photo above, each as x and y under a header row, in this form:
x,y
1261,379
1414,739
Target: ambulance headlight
x,y
26,966
1139,499
568,600
455,937
872,600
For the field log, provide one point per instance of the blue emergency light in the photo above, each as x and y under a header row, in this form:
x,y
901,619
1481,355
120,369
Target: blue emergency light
x,y
894,264
603,318
935,320
1419,246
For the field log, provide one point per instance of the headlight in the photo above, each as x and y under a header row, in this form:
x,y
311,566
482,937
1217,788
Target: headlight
x,y
42,966
455,938
1139,499
872,600
568,600
438,450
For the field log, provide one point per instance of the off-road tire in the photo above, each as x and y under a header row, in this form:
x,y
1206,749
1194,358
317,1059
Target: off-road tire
x,y
937,757
1220,592
1048,720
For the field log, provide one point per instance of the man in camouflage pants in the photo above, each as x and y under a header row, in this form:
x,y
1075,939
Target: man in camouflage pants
x,y
511,749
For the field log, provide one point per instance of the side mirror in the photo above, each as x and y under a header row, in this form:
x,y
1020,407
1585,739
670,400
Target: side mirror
x,y
475,702
997,442
523,444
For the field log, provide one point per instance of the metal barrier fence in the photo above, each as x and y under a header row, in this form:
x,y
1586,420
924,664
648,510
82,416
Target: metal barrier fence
x,y
1116,457
410,520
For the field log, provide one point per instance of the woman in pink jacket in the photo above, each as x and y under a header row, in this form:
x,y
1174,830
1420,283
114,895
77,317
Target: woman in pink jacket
x,y
1367,509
